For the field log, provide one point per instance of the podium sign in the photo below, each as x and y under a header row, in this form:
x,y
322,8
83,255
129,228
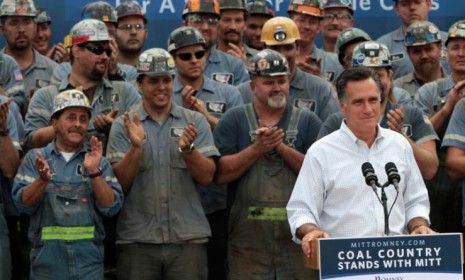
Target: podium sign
x,y
411,257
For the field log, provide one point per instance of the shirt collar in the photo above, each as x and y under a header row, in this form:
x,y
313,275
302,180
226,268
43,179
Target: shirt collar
x,y
178,86
176,111
39,60
398,35
214,56
316,53
66,85
54,149
409,78
208,85
298,80
449,83
346,130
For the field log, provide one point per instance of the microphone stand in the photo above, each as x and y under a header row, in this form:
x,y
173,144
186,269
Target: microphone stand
x,y
385,209
383,201
372,181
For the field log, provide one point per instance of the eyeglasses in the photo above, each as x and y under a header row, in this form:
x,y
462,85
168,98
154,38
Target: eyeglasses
x,y
98,50
339,17
199,20
128,27
188,56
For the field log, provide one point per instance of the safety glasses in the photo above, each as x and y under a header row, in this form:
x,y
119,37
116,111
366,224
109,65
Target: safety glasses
x,y
98,50
188,56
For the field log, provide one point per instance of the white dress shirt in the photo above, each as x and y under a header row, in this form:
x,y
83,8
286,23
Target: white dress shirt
x,y
331,192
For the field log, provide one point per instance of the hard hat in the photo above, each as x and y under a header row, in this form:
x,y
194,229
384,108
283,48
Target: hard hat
x,y
371,54
99,10
201,7
308,7
42,16
155,62
260,7
348,36
88,30
279,31
338,4
184,36
24,8
129,8
268,63
421,33
70,99
232,5
457,30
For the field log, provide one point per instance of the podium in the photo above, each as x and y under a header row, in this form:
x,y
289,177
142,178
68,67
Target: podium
x,y
409,257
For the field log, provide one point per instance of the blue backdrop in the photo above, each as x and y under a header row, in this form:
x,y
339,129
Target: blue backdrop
x,y
375,16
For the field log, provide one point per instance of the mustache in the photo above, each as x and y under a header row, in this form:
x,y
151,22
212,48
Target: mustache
x,y
232,31
334,27
423,61
77,130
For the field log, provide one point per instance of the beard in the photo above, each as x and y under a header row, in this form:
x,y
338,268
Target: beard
x,y
19,46
277,101
426,68
96,74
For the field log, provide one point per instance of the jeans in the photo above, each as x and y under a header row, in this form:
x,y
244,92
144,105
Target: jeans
x,y
81,260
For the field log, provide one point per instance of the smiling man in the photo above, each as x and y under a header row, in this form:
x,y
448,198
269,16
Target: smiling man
x,y
403,118
262,146
42,40
259,11
330,198
337,16
307,15
160,152
231,27
66,189
306,91
43,36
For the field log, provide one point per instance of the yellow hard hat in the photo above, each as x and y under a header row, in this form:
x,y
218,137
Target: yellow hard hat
x,y
279,31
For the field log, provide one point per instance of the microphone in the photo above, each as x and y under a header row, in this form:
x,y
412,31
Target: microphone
x,y
393,175
369,173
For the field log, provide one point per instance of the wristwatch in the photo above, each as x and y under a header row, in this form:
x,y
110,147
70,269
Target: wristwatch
x,y
188,150
96,174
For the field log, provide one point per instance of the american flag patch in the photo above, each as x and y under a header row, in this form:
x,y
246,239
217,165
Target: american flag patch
x,y
18,75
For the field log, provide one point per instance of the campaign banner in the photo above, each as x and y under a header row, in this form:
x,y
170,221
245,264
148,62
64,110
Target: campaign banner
x,y
410,257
